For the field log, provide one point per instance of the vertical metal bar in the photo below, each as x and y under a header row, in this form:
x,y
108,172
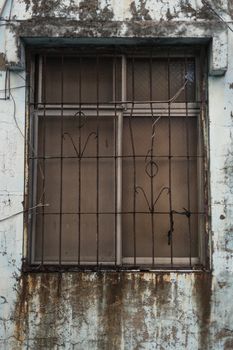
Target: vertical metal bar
x,y
6,83
43,68
188,163
61,168
115,157
32,151
134,167
169,163
26,241
41,82
97,161
151,167
119,186
120,123
79,159
35,165
200,95
203,77
123,79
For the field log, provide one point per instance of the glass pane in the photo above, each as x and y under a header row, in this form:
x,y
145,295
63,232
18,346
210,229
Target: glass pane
x,y
150,172
160,79
86,184
80,79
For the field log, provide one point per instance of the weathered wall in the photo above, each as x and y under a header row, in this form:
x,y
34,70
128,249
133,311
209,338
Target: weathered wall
x,y
116,310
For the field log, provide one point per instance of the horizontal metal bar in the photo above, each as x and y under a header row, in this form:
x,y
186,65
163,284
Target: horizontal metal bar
x,y
122,212
113,156
117,104
158,270
161,260
127,113
132,50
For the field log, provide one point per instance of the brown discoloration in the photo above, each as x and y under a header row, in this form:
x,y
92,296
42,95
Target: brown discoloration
x,y
187,8
21,312
141,13
224,333
90,10
229,344
222,284
203,295
228,169
107,293
63,27
86,10
110,310
231,86
122,302
169,15
230,8
44,7
2,62
203,12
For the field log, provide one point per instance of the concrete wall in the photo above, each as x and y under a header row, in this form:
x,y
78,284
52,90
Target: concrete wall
x,y
116,310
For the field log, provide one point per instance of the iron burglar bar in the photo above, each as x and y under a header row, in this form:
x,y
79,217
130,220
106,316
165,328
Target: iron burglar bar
x,y
116,159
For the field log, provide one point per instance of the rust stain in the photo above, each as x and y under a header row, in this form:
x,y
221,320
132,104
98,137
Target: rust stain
x,y
2,62
123,301
45,295
21,310
229,344
203,294
230,8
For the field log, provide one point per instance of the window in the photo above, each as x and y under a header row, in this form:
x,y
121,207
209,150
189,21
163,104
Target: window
x,y
116,158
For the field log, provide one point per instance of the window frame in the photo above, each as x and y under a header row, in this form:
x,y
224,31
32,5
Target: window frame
x,y
181,108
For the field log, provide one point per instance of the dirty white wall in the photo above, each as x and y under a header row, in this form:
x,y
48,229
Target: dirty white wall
x,y
113,310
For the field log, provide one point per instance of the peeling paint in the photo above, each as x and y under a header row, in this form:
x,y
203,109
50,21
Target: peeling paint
x,y
140,12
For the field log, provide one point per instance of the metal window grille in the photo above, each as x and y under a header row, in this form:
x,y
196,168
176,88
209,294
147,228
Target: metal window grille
x,y
116,159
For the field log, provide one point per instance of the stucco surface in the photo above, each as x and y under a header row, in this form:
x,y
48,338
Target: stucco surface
x,y
117,310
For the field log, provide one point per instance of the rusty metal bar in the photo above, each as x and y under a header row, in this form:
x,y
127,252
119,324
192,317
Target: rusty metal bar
x,y
115,154
119,187
188,161
170,233
97,161
123,156
125,212
151,168
61,163
43,77
79,160
134,166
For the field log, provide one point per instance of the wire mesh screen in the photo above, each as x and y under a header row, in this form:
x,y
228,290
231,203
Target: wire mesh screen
x,y
116,162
